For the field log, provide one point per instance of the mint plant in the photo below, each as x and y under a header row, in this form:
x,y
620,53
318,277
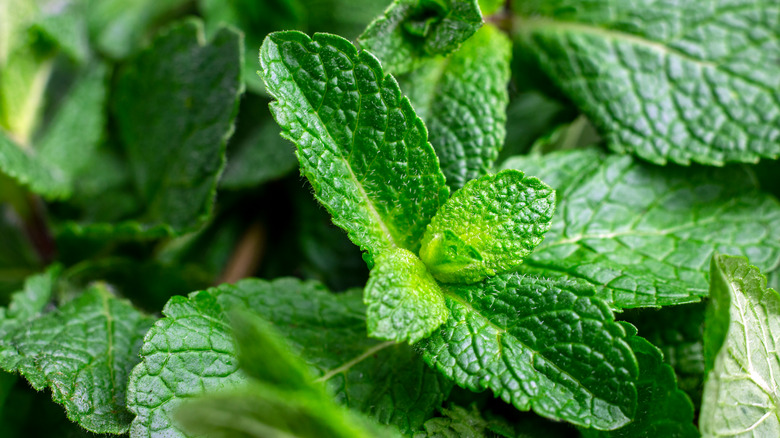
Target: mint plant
x,y
511,219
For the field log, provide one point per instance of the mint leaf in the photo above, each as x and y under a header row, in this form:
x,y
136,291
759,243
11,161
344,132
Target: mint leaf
x,y
83,351
263,156
462,99
65,26
459,422
190,351
740,338
643,234
281,401
404,301
72,137
539,344
30,171
176,149
411,31
360,144
489,7
662,409
487,227
666,81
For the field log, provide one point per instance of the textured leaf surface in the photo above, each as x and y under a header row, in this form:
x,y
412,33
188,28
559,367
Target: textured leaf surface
x,y
742,331
539,344
458,422
191,351
360,143
643,234
404,301
667,80
262,157
175,107
412,30
487,227
83,351
662,409
462,99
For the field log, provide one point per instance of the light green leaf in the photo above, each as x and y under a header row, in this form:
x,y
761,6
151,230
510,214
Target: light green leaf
x,y
487,227
83,351
539,344
742,330
411,31
66,26
489,7
73,135
662,409
191,351
404,301
463,99
175,106
360,144
643,234
669,81
30,171
457,422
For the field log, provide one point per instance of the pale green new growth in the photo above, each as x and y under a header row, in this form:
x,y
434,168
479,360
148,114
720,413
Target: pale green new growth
x,y
411,31
742,333
359,141
487,227
404,301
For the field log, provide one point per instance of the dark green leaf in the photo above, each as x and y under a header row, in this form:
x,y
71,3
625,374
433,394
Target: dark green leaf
x,y
30,171
360,144
662,409
539,344
411,31
191,351
666,80
262,157
83,351
462,99
642,234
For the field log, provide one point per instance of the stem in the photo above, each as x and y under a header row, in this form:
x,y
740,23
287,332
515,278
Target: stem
x,y
38,231
247,256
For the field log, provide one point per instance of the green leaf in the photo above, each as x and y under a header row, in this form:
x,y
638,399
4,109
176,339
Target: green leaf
x,y
642,234
539,344
360,144
404,301
191,351
458,422
73,135
258,412
487,227
65,26
264,156
662,409
411,31
678,332
30,171
668,81
83,351
463,99
489,7
175,107
740,349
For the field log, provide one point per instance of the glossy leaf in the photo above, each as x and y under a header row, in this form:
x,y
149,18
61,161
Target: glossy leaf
x,y
662,409
539,344
411,31
191,351
741,334
360,144
642,234
487,227
669,81
83,351
462,99
404,301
